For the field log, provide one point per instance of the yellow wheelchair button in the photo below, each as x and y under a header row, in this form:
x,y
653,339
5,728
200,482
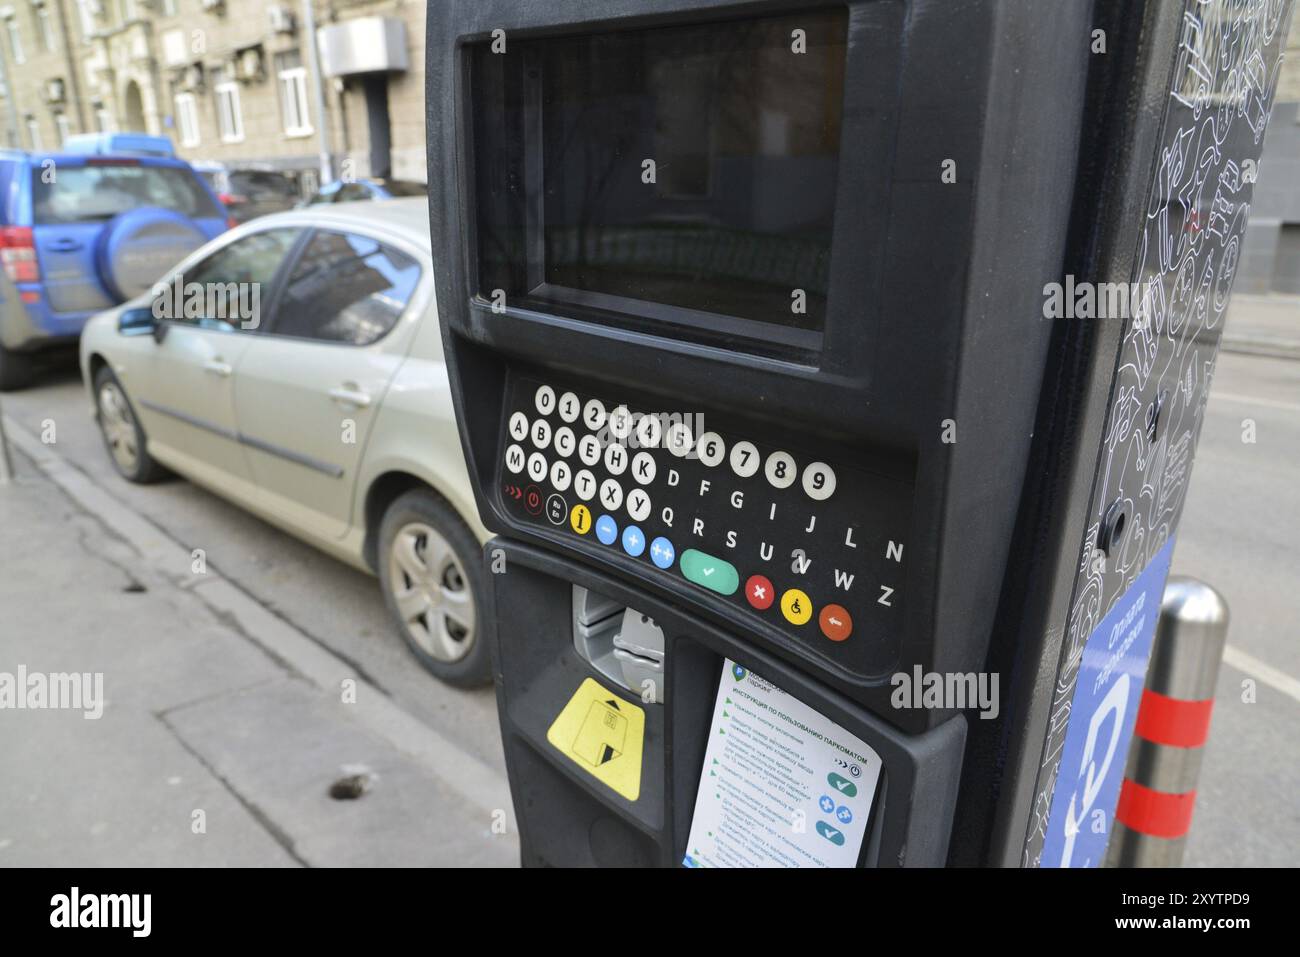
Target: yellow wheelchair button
x,y
796,606
580,519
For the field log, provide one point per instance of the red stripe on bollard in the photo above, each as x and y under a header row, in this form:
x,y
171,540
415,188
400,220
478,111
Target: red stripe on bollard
x,y
1154,812
1173,721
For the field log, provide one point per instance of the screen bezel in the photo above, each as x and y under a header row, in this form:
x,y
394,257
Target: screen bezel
x,y
866,150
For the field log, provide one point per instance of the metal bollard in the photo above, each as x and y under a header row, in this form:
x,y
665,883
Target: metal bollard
x,y
1154,812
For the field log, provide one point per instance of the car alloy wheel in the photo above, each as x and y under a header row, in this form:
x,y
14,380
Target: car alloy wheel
x,y
118,423
431,592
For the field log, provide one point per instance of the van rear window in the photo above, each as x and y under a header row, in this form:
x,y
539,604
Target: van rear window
x,y
80,194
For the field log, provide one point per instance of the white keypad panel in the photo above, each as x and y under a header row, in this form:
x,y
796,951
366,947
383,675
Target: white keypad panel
x,y
805,545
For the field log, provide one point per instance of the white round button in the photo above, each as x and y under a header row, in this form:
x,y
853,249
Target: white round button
x,y
819,481
584,483
570,407
515,459
564,441
780,469
649,430
744,459
541,433
616,459
537,466
638,504
589,449
593,414
518,426
644,467
545,400
620,422
561,476
611,494
711,449
679,439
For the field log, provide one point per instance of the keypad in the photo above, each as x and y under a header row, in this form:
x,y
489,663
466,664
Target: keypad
x,y
812,547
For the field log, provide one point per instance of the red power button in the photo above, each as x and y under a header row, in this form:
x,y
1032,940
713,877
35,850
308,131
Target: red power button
x,y
759,592
533,500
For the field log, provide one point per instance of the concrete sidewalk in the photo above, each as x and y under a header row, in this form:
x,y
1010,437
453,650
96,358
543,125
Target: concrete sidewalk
x,y
1263,325
223,728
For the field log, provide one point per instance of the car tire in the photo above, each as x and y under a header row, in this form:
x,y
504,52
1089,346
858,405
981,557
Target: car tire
x,y
431,572
123,437
16,370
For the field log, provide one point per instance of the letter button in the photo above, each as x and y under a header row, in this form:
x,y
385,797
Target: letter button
x,y
518,426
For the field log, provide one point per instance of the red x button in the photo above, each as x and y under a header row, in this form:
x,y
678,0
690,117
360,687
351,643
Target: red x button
x,y
759,592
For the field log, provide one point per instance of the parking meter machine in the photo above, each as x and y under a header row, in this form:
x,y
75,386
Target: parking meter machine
x,y
743,308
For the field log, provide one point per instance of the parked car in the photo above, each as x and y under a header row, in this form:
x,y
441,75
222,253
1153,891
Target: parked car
x,y
328,415
351,191
83,229
249,193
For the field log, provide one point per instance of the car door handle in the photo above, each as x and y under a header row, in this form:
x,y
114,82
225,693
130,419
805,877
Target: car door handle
x,y
66,245
218,367
352,396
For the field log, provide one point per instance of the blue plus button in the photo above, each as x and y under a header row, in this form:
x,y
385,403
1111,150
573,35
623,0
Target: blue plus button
x,y
606,530
662,552
633,541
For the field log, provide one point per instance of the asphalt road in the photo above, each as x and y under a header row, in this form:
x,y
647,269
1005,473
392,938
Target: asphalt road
x,y
1238,533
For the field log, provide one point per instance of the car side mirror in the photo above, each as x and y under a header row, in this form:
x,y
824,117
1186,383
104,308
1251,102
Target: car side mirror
x,y
140,322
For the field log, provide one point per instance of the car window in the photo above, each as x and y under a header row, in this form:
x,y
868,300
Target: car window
x,y
226,291
346,288
351,192
102,189
262,185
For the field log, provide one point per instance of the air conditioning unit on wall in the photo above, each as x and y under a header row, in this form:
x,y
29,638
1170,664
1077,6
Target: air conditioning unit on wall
x,y
282,19
248,64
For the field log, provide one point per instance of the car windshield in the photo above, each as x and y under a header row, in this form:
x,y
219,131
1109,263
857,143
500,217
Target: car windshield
x,y
95,192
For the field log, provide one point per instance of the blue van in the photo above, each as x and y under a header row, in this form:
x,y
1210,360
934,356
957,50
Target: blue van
x,y
87,228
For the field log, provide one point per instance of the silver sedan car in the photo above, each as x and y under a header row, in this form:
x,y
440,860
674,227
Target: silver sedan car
x,y
294,366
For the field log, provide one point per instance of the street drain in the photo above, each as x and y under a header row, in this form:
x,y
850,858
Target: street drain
x,y
352,786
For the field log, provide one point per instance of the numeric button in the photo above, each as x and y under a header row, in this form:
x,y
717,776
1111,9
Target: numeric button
x,y
518,426
780,469
545,400
649,430
711,449
570,407
679,439
819,481
744,459
593,414
620,422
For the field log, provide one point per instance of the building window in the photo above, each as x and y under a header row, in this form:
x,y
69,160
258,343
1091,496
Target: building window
x,y
86,13
34,134
45,27
64,126
15,40
187,119
229,120
293,94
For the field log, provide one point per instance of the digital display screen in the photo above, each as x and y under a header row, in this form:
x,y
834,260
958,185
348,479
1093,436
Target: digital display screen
x,y
682,174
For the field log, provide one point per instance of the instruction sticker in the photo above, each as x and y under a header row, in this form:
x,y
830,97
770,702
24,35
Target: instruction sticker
x,y
603,735
782,785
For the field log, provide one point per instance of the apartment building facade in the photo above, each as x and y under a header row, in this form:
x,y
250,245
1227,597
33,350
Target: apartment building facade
x,y
230,81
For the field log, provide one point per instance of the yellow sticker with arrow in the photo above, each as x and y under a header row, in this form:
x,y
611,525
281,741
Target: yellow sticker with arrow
x,y
603,735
